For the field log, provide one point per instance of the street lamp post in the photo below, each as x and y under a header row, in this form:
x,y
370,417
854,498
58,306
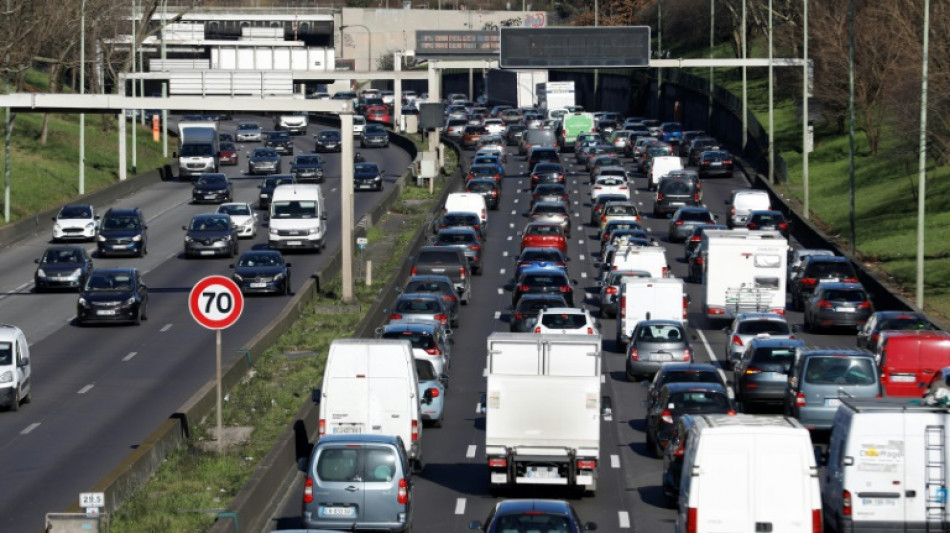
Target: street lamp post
x,y
82,90
369,39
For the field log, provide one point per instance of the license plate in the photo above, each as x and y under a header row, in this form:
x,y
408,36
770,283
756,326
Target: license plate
x,y
846,309
106,312
294,243
832,402
210,197
265,196
903,379
207,252
257,285
661,357
717,164
882,502
338,511
346,430
677,203
542,472
366,186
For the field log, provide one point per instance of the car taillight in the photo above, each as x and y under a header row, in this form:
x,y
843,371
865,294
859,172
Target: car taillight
x,y
705,163
524,288
732,211
590,331
687,354
866,304
611,290
494,194
586,464
824,304
800,399
699,259
692,515
873,338
751,225
667,416
443,318
659,197
737,340
402,496
395,316
634,354
727,162
696,197
681,449
415,431
462,272
478,227
434,351
664,272
597,187
497,177
623,187
849,280
846,503
752,371
565,288
434,392
623,306
475,247
519,316
808,281
731,412
816,523
783,226
497,462
695,238
679,222
322,426
685,306
413,271
603,218
308,490
537,329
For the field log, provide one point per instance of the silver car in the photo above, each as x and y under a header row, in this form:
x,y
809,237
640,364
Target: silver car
x,y
248,132
419,305
655,343
553,212
610,290
821,377
747,326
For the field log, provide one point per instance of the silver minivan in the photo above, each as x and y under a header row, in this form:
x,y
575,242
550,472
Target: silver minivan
x,y
357,482
820,378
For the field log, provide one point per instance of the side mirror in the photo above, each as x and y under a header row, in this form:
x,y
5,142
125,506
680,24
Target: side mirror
x,y
573,282
449,333
37,261
184,228
25,361
315,396
231,266
590,526
288,265
97,217
443,378
303,463
725,329
715,217
378,331
54,219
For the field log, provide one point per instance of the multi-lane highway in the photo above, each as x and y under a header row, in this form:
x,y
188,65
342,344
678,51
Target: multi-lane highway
x,y
100,391
453,487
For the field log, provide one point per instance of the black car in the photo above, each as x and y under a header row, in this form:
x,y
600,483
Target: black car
x,y
715,163
262,272
209,235
814,270
122,232
263,161
307,168
533,515
367,176
268,185
677,399
460,218
768,220
62,267
525,315
328,141
696,237
113,295
374,135
869,335
673,193
488,188
280,141
696,148
513,134
546,281
673,459
212,188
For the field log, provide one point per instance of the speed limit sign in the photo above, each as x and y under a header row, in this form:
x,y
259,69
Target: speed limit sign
x,y
216,302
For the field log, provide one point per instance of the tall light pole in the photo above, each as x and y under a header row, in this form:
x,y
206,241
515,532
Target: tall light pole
x,y
771,106
851,121
745,88
922,180
82,90
164,86
805,95
712,43
659,50
369,39
134,127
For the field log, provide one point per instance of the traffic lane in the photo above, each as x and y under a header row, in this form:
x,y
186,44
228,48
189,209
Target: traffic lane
x,y
167,381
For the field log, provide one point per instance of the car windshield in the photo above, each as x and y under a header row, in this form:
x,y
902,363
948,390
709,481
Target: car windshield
x,y
307,160
754,327
259,260
544,279
62,256
547,167
460,220
263,152
694,216
6,353
829,269
845,295
419,339
610,182
564,320
481,186
543,230
541,255
209,224
295,209
212,180
781,358
438,257
906,323
108,282
344,464
767,219
235,210
366,168
120,223
689,376
668,186
654,151
75,211
533,306
272,182
416,305
455,237
374,128
533,521
840,370
424,369
620,210
661,333
559,209
428,286
698,401
228,147
279,136
246,126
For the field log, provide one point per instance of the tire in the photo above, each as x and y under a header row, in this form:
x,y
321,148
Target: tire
x,y
651,446
29,397
15,405
138,317
286,290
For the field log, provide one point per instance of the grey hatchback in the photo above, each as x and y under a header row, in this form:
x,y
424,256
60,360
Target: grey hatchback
x,y
821,377
655,343
442,261
440,285
357,482
762,371
837,304
425,305
466,239
685,219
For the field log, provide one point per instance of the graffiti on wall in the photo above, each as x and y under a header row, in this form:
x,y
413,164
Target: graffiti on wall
x,y
531,20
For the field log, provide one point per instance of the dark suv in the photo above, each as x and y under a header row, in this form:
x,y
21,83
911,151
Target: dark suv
x,y
816,269
445,261
675,192
123,232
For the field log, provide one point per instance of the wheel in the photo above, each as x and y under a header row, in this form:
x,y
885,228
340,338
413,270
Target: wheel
x,y
15,406
138,317
144,311
651,446
286,290
29,397
477,271
234,250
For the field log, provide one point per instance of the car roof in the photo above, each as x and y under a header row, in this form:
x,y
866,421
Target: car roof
x,y
360,438
680,367
829,258
827,352
543,270
541,506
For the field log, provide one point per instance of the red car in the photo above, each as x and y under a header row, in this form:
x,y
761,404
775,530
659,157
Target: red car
x,y
544,235
378,113
229,155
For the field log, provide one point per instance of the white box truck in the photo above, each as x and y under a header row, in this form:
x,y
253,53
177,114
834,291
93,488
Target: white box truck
x,y
744,272
748,473
298,218
887,467
649,299
542,410
198,150
513,87
556,96
370,386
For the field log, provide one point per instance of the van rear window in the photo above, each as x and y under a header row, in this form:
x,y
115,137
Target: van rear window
x,y
564,320
356,464
839,371
440,257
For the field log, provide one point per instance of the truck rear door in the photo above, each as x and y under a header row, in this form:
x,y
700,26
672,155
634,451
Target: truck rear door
x,y
345,405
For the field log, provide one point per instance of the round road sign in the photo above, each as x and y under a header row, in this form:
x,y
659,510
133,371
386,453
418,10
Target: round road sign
x,y
216,302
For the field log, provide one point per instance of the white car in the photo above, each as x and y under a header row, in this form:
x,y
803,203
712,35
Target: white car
x,y
495,126
243,217
609,185
569,320
76,222
359,123
248,132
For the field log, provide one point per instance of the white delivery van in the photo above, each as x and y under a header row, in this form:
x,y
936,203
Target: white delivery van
x,y
744,272
649,299
650,259
469,202
663,165
198,149
370,386
744,201
298,218
15,368
748,473
887,467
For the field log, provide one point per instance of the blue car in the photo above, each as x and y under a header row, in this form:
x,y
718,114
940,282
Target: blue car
x,y
431,393
671,132
540,257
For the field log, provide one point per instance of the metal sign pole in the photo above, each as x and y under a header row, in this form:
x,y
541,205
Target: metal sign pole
x,y
217,365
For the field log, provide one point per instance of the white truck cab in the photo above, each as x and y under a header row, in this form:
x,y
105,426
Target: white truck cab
x,y
298,218
15,368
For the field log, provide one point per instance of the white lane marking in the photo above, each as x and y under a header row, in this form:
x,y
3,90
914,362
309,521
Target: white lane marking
x,y
614,461
18,289
85,389
581,242
709,352
640,203
502,272
603,378
584,274
478,408
581,257
460,506
504,254
497,315
511,225
30,428
516,200
470,452
513,212
129,357
501,291
624,518
509,237
165,328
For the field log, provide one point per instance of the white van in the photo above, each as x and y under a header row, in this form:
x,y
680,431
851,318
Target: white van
x,y
886,466
469,202
297,218
663,165
370,386
748,473
15,368
650,259
649,299
744,201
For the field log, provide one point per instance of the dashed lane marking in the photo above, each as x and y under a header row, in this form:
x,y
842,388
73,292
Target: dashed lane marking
x,y
470,453
614,461
129,357
85,389
581,257
501,291
584,275
165,328
497,315
30,428
460,506
624,518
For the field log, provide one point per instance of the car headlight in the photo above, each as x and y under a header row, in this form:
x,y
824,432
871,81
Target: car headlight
x,y
40,272
226,238
101,238
377,178
273,232
91,225
237,277
313,231
189,239
57,227
6,377
137,238
83,302
249,223
75,274
130,301
279,276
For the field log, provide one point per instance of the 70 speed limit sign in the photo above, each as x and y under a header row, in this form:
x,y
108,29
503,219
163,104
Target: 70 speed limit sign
x,y
216,302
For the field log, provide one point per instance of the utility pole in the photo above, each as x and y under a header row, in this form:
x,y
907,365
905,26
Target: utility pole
x,y
805,94
922,180
82,90
134,126
771,105
712,43
745,86
851,243
7,127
